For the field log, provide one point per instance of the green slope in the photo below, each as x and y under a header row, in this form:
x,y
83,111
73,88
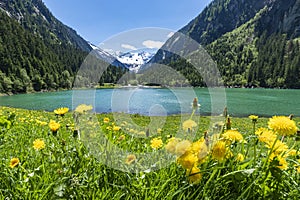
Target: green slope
x,y
254,43
27,63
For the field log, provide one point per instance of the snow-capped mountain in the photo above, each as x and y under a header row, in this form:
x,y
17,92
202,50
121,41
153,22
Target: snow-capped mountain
x,y
132,60
106,56
135,59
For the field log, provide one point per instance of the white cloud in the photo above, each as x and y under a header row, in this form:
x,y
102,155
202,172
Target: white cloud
x,y
153,44
170,34
128,46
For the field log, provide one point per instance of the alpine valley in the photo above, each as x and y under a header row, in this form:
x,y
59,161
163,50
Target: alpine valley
x,y
255,43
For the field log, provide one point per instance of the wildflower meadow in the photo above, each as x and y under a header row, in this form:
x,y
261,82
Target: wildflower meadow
x,y
44,156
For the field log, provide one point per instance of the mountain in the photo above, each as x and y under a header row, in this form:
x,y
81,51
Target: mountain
x,y
100,67
135,59
263,52
254,43
218,18
34,16
28,63
38,52
107,57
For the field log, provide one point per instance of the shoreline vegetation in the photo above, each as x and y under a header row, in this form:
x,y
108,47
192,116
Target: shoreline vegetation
x,y
117,86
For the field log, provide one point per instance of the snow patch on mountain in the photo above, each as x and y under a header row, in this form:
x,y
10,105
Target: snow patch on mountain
x,y
106,56
135,59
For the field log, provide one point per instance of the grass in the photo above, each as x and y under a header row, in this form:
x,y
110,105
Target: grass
x,y
92,164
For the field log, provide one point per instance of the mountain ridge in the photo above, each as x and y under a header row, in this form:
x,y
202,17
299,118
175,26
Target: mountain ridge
x,y
260,61
40,53
34,16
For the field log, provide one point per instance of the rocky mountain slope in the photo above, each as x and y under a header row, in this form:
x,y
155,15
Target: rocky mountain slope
x,y
34,16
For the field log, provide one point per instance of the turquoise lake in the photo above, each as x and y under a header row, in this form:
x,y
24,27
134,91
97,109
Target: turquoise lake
x,y
147,101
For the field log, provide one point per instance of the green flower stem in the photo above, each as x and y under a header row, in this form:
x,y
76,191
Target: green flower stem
x,y
243,148
265,165
254,160
254,127
254,152
210,179
269,154
194,110
248,188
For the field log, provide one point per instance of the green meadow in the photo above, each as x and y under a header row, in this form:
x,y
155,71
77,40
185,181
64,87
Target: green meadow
x,y
47,155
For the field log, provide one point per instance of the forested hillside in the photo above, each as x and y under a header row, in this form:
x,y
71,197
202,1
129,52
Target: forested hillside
x,y
263,52
34,16
28,63
259,47
38,52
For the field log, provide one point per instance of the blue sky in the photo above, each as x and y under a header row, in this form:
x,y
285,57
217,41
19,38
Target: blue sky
x,y
98,20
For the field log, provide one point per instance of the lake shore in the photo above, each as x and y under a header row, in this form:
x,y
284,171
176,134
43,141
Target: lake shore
x,y
116,86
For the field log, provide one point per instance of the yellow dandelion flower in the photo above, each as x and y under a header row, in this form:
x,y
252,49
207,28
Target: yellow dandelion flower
x,y
202,155
182,147
159,130
219,150
61,111
240,157
229,153
38,144
188,125
82,108
194,175
121,138
278,148
130,159
156,143
171,145
106,120
14,162
233,136
253,118
54,126
187,160
116,128
142,133
265,135
200,149
131,130
197,145
298,169
292,152
282,163
282,125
